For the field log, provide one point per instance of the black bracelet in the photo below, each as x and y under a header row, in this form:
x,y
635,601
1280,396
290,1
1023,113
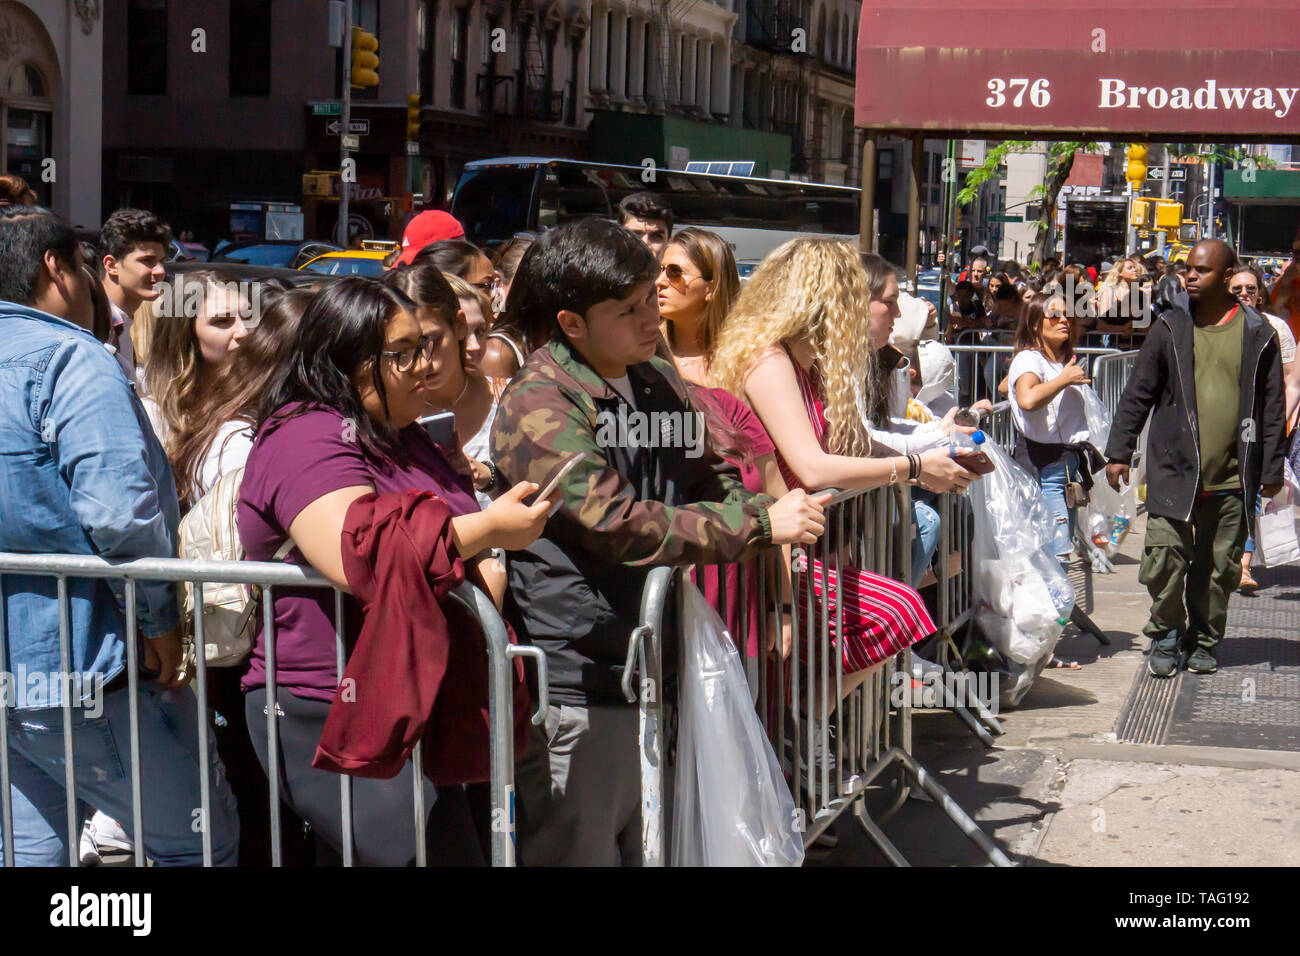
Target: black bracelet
x,y
494,478
913,467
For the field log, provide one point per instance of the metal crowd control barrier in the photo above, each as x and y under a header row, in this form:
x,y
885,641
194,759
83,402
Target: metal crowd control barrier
x,y
269,576
981,368
829,774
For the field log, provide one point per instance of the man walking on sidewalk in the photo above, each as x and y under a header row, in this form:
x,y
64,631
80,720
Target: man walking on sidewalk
x,y
1214,380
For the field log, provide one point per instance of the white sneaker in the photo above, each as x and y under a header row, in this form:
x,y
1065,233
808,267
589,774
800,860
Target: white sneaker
x,y
100,835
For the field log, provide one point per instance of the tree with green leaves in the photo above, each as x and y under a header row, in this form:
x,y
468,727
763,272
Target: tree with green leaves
x,y
1060,160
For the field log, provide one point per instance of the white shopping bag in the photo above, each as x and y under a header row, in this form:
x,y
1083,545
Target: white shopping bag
x,y
732,806
1277,542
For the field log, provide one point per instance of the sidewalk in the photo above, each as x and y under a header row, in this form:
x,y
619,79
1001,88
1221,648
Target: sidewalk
x,y
1205,774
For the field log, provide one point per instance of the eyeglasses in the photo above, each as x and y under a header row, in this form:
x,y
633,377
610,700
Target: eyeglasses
x,y
676,275
404,359
1243,290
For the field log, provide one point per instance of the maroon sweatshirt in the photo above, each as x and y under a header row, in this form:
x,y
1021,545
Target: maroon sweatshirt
x,y
419,669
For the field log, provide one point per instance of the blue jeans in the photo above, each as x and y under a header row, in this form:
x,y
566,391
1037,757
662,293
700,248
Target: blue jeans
x,y
925,538
1052,480
169,778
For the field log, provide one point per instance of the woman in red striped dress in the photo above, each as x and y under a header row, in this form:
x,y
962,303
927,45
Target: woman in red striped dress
x,y
797,347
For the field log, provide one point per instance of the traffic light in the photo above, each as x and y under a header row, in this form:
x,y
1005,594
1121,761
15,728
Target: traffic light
x,y
1136,170
413,118
365,59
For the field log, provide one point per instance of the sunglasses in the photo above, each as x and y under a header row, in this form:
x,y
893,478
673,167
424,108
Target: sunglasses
x,y
488,284
676,275
1243,290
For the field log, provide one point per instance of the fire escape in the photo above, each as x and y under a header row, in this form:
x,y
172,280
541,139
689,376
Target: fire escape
x,y
537,100
770,26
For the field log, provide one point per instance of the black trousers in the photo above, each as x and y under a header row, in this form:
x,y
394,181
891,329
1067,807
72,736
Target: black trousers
x,y
383,811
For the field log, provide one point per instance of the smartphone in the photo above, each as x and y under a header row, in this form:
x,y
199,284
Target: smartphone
x,y
441,428
560,475
976,462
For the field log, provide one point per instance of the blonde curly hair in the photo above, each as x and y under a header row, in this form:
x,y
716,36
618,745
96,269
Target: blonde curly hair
x,y
811,288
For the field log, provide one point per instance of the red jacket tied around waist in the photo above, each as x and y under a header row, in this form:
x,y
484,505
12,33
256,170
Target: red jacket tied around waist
x,y
419,669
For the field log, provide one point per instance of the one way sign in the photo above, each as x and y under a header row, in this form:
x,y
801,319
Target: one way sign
x,y
1177,174
360,127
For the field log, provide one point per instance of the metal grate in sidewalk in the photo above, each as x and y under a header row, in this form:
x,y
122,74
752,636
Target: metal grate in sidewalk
x,y
1253,702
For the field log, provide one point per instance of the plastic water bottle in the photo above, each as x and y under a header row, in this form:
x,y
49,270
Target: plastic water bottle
x,y
1062,597
968,451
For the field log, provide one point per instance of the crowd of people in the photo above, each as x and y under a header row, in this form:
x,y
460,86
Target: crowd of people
x,y
393,434
1216,375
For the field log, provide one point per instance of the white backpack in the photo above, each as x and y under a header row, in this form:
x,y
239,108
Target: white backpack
x,y
210,531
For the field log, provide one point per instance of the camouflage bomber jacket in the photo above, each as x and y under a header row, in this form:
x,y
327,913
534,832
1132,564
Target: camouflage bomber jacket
x,y
576,591
670,505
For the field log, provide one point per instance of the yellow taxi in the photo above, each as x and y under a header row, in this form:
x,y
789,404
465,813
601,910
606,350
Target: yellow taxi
x,y
366,261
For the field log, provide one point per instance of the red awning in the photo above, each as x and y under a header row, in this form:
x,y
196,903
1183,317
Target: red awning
x,y
1145,68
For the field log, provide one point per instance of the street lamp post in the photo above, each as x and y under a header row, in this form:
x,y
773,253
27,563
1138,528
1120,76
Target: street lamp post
x,y
345,126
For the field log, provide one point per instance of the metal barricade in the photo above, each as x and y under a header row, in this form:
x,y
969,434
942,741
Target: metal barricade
x,y
269,577
1000,427
842,739
981,368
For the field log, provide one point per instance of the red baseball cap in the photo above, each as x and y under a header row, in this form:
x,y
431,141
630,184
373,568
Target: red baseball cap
x,y
432,226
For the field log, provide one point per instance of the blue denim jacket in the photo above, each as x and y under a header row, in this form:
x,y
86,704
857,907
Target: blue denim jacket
x,y
81,472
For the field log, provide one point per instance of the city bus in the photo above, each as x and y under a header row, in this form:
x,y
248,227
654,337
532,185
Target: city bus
x,y
496,198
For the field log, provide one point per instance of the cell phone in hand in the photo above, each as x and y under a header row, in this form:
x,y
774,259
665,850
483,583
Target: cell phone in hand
x,y
441,428
560,475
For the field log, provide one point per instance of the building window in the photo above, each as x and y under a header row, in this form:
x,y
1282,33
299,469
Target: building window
x,y
571,87
365,14
459,58
146,46
424,30
27,80
488,78
27,144
250,47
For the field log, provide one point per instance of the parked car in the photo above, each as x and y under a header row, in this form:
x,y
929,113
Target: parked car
x,y
188,252
281,253
927,285
245,272
350,262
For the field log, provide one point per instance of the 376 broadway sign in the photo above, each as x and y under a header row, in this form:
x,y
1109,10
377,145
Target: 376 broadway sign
x,y
1149,92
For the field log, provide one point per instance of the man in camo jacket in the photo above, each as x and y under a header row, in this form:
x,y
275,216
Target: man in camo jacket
x,y
649,492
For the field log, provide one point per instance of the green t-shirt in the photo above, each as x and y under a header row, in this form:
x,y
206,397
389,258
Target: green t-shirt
x,y
1217,367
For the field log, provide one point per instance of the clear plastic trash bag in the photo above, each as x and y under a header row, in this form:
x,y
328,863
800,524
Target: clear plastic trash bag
x,y
732,806
1021,595
1099,419
1110,513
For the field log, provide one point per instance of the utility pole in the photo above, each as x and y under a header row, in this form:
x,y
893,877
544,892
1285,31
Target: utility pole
x,y
1210,203
1164,194
346,125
